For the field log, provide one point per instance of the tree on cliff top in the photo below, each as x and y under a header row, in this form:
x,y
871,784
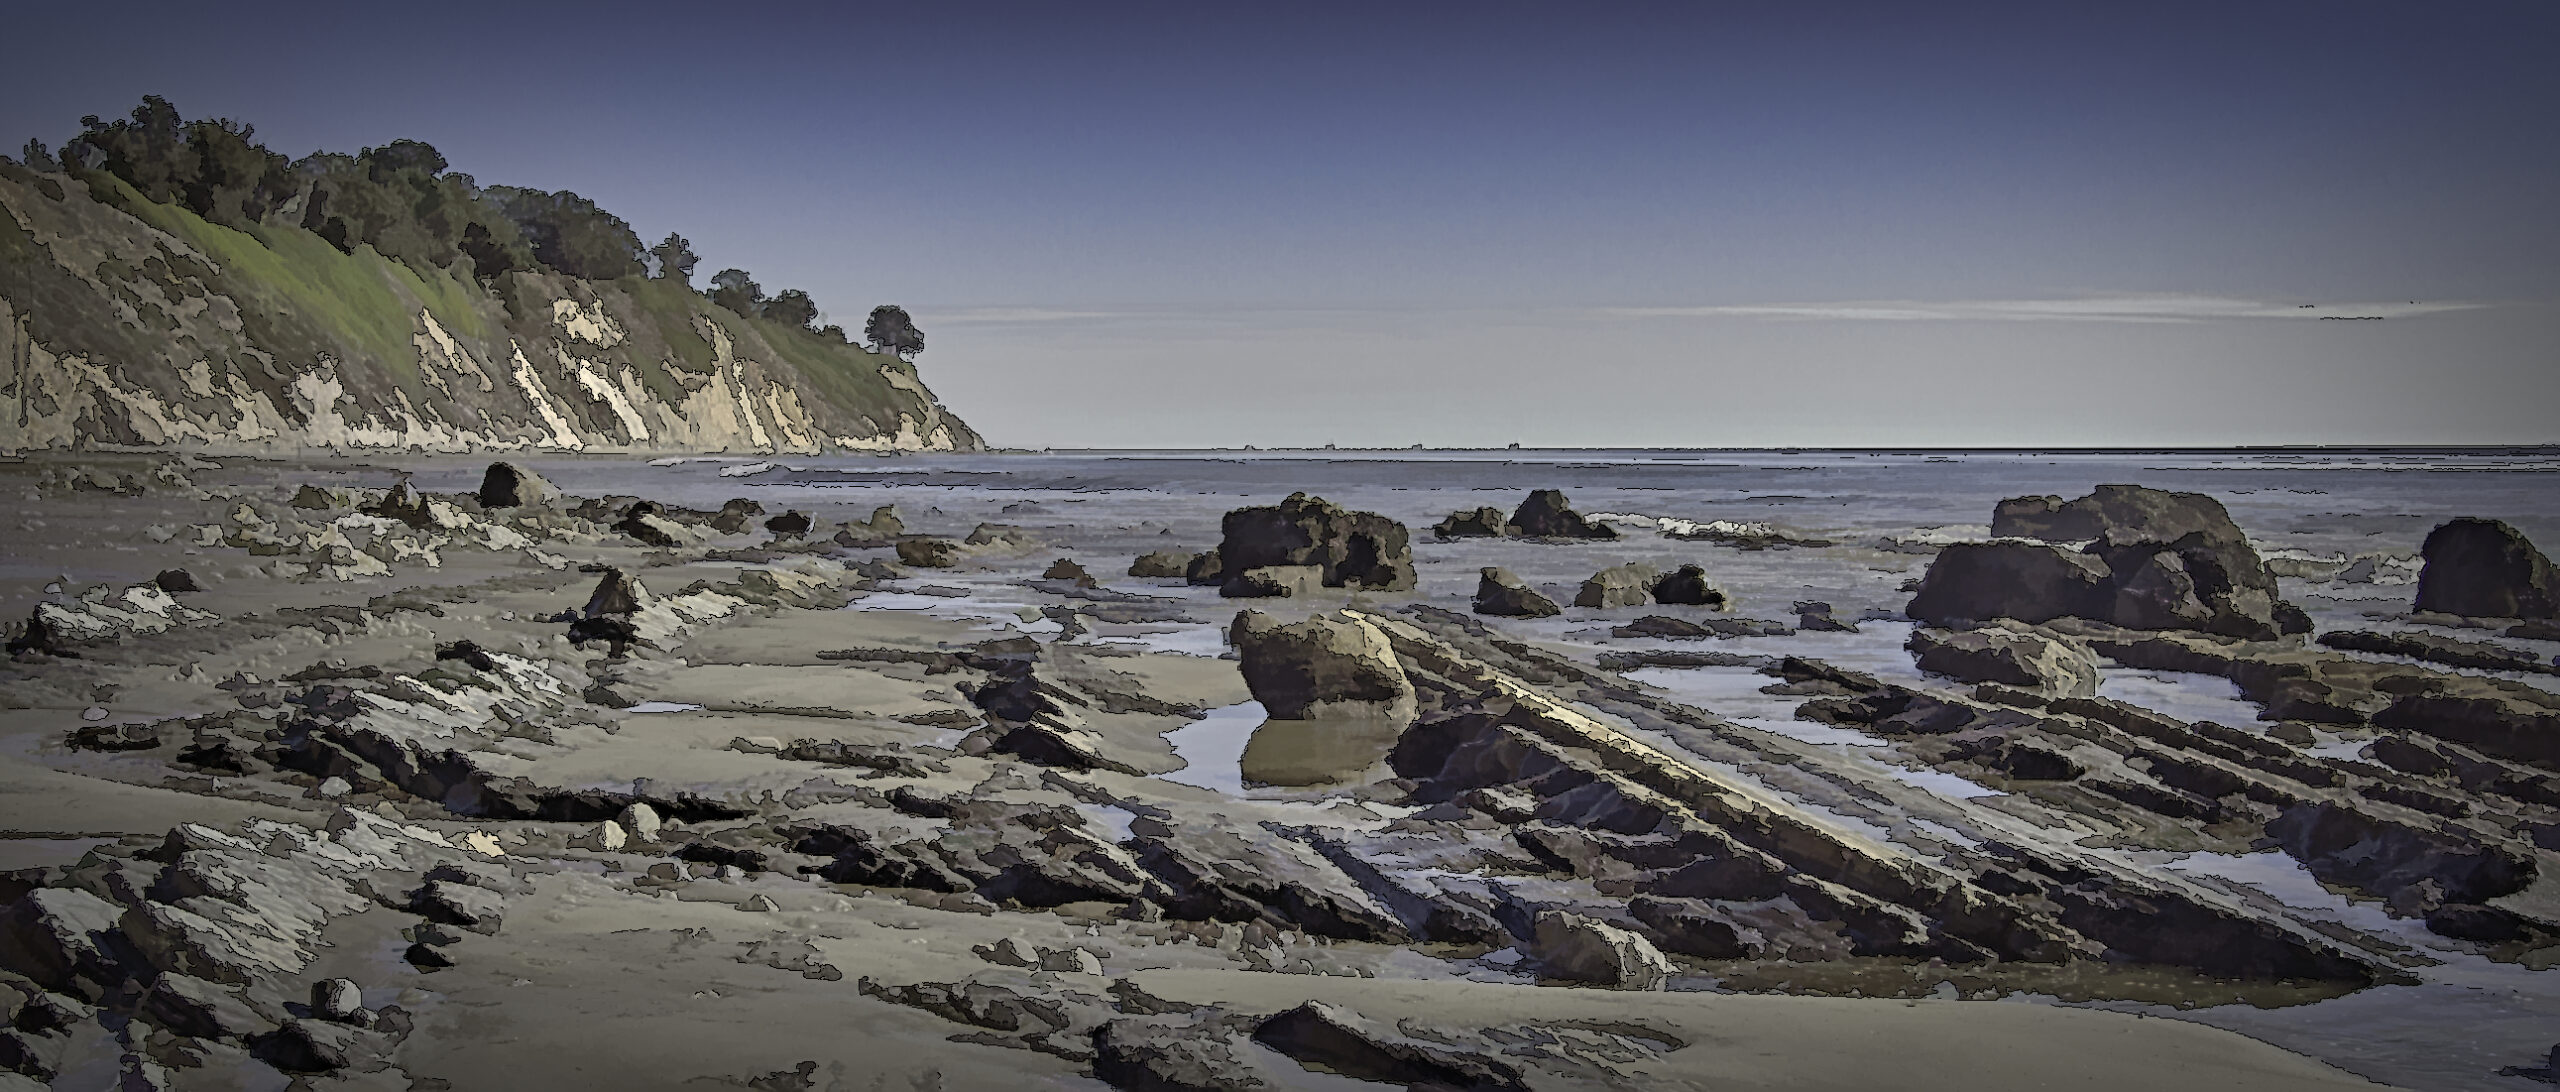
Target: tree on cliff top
x,y
735,290
892,331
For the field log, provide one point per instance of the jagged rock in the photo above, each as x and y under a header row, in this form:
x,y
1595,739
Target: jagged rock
x,y
313,498
617,593
1628,585
1162,565
646,522
1274,582
308,1046
1688,586
2483,568
604,837
1070,961
1813,616
45,634
192,1006
1321,665
338,999
790,524
1065,569
1249,873
1546,515
999,536
505,485
126,736
2444,650
174,581
1501,594
1575,948
426,957
882,529
1486,522
2010,657
405,504
1152,1056
1342,1041
925,552
1656,625
454,903
1008,952
51,935
734,515
1361,550
1693,927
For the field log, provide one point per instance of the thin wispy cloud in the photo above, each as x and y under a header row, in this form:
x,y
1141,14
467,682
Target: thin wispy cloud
x,y
2089,309
1019,314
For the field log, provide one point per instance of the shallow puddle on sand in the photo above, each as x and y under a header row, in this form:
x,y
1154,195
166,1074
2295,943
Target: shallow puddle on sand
x,y
664,707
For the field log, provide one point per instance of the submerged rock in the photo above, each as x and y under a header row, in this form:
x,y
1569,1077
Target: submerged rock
x,y
2483,568
1500,593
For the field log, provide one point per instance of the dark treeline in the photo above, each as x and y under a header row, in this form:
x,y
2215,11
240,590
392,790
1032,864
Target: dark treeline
x,y
403,201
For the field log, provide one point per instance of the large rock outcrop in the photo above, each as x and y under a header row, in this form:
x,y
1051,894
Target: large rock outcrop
x,y
2157,560
1360,550
2009,657
2482,568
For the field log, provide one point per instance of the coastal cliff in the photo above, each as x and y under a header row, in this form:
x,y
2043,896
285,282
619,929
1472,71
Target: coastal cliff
x,y
129,321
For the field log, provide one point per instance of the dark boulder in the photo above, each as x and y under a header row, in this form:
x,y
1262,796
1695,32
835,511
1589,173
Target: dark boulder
x,y
927,552
1687,586
1359,550
2031,582
174,581
1546,515
506,485
790,524
1502,594
2483,568
733,516
1205,568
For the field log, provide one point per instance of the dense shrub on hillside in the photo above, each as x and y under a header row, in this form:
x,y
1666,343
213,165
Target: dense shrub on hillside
x,y
402,200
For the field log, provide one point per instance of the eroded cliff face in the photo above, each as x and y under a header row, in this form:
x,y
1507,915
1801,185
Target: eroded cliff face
x,y
125,322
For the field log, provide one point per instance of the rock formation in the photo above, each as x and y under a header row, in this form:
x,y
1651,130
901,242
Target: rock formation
x,y
2482,568
1357,550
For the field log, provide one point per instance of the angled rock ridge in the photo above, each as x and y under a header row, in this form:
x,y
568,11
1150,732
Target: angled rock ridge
x,y
126,322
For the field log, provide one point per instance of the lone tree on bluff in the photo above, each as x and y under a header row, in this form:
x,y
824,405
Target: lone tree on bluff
x,y
891,331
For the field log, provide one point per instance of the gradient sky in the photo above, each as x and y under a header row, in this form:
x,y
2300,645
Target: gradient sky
x,y
1472,224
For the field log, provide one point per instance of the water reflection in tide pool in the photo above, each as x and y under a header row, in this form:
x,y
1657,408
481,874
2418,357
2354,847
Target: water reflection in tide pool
x,y
1214,747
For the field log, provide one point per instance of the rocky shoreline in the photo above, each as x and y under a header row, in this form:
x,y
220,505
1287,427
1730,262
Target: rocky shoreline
x,y
363,786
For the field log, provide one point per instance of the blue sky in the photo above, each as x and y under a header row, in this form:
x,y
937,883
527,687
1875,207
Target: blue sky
x,y
1710,224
